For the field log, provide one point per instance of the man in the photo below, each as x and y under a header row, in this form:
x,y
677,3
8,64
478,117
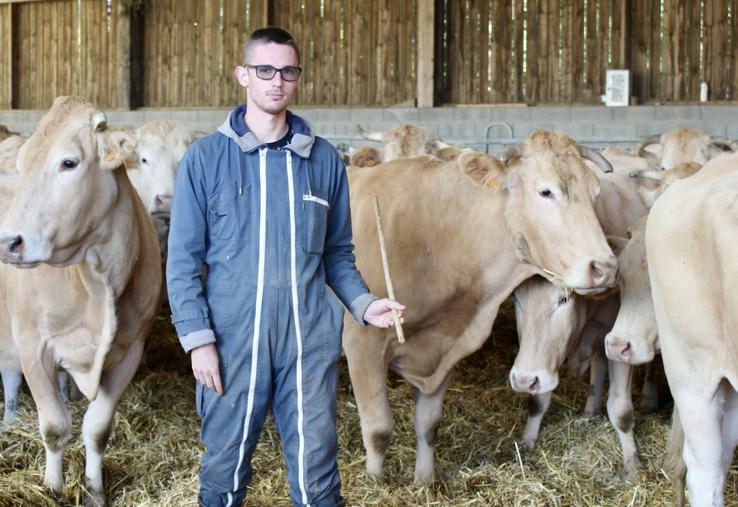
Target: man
x,y
263,204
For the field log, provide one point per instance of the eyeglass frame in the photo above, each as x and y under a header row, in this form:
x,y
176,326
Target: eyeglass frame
x,y
275,69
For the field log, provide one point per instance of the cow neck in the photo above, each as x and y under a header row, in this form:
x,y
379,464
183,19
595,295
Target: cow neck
x,y
108,263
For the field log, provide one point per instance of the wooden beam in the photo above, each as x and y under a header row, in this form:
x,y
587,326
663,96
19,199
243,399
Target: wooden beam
x,y
123,56
6,57
426,51
19,1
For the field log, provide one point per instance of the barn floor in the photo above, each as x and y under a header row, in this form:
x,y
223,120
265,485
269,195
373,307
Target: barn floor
x,y
152,458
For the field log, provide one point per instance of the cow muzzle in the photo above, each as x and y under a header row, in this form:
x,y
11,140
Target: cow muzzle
x,y
536,382
628,351
163,203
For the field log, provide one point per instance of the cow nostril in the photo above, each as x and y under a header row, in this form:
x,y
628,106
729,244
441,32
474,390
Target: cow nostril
x,y
534,384
626,351
597,272
15,245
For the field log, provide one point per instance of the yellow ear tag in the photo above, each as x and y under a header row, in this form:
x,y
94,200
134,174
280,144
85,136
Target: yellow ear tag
x,y
493,183
111,156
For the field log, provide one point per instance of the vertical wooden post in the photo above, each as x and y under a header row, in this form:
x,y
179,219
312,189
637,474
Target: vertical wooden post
x,y
624,36
426,53
6,56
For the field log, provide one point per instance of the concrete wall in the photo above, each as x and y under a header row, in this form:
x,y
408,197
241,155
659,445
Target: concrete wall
x,y
593,125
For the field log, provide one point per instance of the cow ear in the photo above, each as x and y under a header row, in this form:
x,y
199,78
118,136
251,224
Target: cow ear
x,y
115,147
483,169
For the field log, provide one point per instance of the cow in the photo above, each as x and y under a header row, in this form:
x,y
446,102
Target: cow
x,y
5,132
633,338
683,145
9,149
662,179
153,164
461,236
403,141
554,325
89,295
691,240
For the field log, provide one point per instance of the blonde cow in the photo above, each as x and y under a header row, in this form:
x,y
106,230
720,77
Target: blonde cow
x,y
691,245
461,236
683,145
89,300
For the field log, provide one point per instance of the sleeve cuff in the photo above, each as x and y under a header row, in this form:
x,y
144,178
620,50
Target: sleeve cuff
x,y
359,305
197,339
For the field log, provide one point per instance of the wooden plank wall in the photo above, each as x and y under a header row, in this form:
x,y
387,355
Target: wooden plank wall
x,y
58,49
191,49
364,52
568,46
353,52
6,56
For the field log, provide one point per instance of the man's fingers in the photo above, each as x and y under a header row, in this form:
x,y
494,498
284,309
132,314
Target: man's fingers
x,y
217,384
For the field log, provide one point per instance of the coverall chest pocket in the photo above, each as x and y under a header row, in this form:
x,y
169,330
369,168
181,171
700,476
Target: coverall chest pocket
x,y
316,223
222,219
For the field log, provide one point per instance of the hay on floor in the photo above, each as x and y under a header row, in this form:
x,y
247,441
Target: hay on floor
x,y
152,457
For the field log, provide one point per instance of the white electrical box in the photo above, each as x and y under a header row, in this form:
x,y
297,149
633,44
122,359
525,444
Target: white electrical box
x,y
617,88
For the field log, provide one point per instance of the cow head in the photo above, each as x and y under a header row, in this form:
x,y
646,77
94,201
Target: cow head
x,y
683,145
67,186
549,321
634,337
160,146
550,195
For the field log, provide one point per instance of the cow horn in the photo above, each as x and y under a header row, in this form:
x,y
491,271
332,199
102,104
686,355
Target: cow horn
x,y
650,174
512,151
595,157
370,136
98,120
646,141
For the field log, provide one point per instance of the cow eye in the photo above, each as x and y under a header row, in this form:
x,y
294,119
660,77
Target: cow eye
x,y
68,164
563,300
144,160
546,193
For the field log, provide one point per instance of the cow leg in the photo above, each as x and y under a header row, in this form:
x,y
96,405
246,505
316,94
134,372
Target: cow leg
x,y
729,427
428,411
97,424
537,407
368,372
597,372
700,415
649,393
11,383
620,412
55,423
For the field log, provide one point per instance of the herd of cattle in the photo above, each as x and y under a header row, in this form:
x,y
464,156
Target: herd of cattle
x,y
610,257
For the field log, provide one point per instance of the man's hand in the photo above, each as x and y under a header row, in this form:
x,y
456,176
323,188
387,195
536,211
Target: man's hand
x,y
379,312
206,367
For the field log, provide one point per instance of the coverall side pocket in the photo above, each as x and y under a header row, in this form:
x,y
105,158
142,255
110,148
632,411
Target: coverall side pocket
x,y
199,402
316,225
222,220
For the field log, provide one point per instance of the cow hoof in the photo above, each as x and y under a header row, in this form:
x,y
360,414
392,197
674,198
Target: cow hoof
x,y
95,499
424,478
529,445
632,473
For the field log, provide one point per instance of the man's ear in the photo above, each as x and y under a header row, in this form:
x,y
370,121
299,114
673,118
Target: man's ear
x,y
242,75
483,169
114,147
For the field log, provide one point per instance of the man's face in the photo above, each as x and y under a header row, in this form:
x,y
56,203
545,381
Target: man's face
x,y
274,95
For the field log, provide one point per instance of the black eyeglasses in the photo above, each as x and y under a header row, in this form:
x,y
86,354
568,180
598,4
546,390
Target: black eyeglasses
x,y
267,72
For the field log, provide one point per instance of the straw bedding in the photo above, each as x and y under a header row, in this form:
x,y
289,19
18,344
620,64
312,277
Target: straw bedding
x,y
152,457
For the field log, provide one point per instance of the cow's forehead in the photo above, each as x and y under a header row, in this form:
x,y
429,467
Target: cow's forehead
x,y
51,138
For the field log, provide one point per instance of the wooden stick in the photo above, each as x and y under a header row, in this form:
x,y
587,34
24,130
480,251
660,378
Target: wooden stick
x,y
385,265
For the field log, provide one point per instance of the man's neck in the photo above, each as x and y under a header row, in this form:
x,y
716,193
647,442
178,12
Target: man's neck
x,y
266,127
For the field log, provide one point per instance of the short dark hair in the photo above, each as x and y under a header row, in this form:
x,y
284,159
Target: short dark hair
x,y
270,34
